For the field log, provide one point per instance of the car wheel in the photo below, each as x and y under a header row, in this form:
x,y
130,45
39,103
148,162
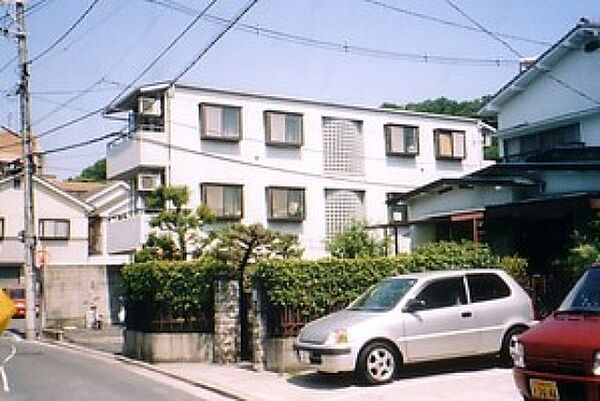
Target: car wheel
x,y
377,363
510,336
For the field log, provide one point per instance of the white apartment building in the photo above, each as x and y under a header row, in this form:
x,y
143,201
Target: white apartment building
x,y
298,166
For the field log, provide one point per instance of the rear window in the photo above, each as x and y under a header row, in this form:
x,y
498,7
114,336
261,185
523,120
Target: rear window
x,y
16,293
486,287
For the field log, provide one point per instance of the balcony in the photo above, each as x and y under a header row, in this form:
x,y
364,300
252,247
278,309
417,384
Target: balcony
x,y
127,234
138,149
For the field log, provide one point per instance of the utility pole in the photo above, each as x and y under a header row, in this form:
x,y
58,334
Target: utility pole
x,y
29,237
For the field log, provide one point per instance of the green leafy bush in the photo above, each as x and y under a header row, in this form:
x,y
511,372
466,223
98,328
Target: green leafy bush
x,y
178,286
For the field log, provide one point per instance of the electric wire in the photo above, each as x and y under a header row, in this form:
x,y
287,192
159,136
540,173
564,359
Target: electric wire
x,y
342,47
549,74
218,37
66,33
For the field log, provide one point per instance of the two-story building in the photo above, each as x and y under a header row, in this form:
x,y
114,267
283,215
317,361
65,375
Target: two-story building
x,y
75,271
548,180
303,167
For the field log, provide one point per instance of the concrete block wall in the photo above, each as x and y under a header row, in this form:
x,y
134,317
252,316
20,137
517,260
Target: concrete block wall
x,y
169,347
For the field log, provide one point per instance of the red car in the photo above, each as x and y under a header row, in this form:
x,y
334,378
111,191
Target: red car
x,y
559,359
17,294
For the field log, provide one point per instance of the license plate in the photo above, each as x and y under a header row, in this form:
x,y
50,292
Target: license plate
x,y
543,389
304,357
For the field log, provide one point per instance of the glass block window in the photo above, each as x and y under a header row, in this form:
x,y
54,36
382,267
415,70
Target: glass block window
x,y
225,201
342,208
402,140
283,128
343,152
450,144
58,229
221,122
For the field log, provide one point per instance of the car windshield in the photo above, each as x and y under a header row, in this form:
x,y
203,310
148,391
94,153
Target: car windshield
x,y
585,296
383,296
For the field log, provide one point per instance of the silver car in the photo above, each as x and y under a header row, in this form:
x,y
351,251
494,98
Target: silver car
x,y
415,318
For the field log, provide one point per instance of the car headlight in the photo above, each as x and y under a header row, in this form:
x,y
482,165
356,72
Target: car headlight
x,y
596,367
337,337
518,354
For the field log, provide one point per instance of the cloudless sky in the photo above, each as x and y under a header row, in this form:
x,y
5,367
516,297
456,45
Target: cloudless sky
x,y
119,38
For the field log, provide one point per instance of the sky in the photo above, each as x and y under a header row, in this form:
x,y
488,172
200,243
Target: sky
x,y
356,52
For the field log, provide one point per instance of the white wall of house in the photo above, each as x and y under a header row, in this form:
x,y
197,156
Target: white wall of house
x,y
192,160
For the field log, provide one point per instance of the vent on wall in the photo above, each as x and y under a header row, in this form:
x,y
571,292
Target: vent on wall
x,y
148,182
148,106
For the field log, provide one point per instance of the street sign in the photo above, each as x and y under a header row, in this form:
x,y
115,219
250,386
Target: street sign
x,y
7,310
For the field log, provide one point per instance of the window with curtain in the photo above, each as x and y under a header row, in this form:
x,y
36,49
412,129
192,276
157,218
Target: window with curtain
x,y
283,128
54,229
220,122
402,140
285,203
224,200
450,144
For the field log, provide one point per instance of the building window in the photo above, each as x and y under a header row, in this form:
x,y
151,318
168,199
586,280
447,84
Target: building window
x,y
1,228
401,140
450,144
225,201
54,229
285,203
283,128
343,153
221,122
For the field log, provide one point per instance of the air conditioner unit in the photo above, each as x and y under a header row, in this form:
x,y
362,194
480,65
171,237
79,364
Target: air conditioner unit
x,y
148,106
148,182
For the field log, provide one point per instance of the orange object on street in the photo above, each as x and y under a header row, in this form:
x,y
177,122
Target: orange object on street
x,y
7,310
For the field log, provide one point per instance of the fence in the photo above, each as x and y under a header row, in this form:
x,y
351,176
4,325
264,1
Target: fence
x,y
153,319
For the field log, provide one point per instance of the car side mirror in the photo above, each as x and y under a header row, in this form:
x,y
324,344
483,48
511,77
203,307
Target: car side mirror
x,y
414,305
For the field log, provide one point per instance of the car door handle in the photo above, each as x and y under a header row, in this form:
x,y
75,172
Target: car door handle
x,y
466,314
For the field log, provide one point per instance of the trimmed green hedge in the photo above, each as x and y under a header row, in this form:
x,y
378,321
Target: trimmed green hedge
x,y
316,287
179,286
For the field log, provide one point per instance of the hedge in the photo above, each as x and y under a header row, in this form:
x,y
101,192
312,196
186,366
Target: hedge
x,y
316,287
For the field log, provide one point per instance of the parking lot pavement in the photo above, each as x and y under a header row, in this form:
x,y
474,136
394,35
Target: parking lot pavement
x,y
457,381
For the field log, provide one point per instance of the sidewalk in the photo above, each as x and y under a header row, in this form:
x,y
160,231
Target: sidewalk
x,y
479,380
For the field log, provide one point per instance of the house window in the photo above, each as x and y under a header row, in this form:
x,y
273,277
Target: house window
x,y
225,201
401,140
221,122
285,203
450,144
283,128
54,229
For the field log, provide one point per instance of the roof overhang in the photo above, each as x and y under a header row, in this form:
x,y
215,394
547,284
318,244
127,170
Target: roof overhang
x,y
575,39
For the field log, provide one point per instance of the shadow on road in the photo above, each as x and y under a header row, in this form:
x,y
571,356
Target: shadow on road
x,y
329,381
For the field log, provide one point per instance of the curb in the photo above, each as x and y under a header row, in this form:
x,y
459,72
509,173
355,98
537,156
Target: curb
x,y
147,366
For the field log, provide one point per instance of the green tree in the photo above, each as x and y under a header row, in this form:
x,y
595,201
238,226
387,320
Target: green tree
x,y
585,247
356,242
178,226
94,173
237,245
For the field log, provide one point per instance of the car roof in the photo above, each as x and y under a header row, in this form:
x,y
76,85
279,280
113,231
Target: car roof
x,y
446,273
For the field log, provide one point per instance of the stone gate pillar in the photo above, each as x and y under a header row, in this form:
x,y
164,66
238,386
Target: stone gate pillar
x,y
227,344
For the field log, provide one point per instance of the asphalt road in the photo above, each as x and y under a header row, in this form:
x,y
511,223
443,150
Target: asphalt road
x,y
46,372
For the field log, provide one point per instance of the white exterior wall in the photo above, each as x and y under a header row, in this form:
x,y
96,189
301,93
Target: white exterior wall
x,y
48,205
189,160
545,98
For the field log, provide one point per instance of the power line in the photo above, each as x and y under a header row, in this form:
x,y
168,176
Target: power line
x,y
240,15
167,49
451,23
342,47
549,74
66,33
81,144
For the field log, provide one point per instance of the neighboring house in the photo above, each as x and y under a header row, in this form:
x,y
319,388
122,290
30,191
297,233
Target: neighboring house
x,y
303,167
11,152
548,180
75,269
